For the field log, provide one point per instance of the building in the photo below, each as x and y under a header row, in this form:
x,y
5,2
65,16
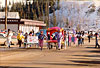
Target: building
x,y
28,25
15,23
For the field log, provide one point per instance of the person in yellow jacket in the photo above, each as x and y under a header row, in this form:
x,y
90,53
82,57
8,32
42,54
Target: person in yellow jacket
x,y
19,38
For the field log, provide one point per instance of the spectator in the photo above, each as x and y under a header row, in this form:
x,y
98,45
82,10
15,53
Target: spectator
x,y
89,37
73,38
65,38
97,44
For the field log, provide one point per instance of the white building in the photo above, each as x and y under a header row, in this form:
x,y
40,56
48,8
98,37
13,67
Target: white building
x,y
15,23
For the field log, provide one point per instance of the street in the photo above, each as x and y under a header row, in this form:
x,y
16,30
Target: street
x,y
49,33
85,56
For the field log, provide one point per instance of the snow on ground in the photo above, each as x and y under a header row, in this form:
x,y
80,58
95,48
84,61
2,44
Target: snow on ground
x,y
79,13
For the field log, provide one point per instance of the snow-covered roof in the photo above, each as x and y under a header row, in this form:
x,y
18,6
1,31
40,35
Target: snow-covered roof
x,y
13,15
33,22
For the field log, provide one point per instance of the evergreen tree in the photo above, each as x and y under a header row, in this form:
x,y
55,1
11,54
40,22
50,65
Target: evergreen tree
x,y
38,10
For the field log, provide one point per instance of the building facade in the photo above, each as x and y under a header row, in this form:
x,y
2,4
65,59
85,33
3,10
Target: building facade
x,y
15,23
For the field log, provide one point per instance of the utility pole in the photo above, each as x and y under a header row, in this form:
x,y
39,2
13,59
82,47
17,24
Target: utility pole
x,y
5,14
48,14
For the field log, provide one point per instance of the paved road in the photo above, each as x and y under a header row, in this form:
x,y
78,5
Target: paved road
x,y
85,56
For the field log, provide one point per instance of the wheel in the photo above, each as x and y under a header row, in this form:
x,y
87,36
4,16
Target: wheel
x,y
51,46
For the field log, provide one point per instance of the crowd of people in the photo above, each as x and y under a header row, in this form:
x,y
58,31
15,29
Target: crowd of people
x,y
67,39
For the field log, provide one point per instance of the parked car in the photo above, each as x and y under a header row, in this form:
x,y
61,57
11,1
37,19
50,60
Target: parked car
x,y
3,34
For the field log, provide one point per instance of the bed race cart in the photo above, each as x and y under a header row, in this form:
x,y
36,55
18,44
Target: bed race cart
x,y
52,33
